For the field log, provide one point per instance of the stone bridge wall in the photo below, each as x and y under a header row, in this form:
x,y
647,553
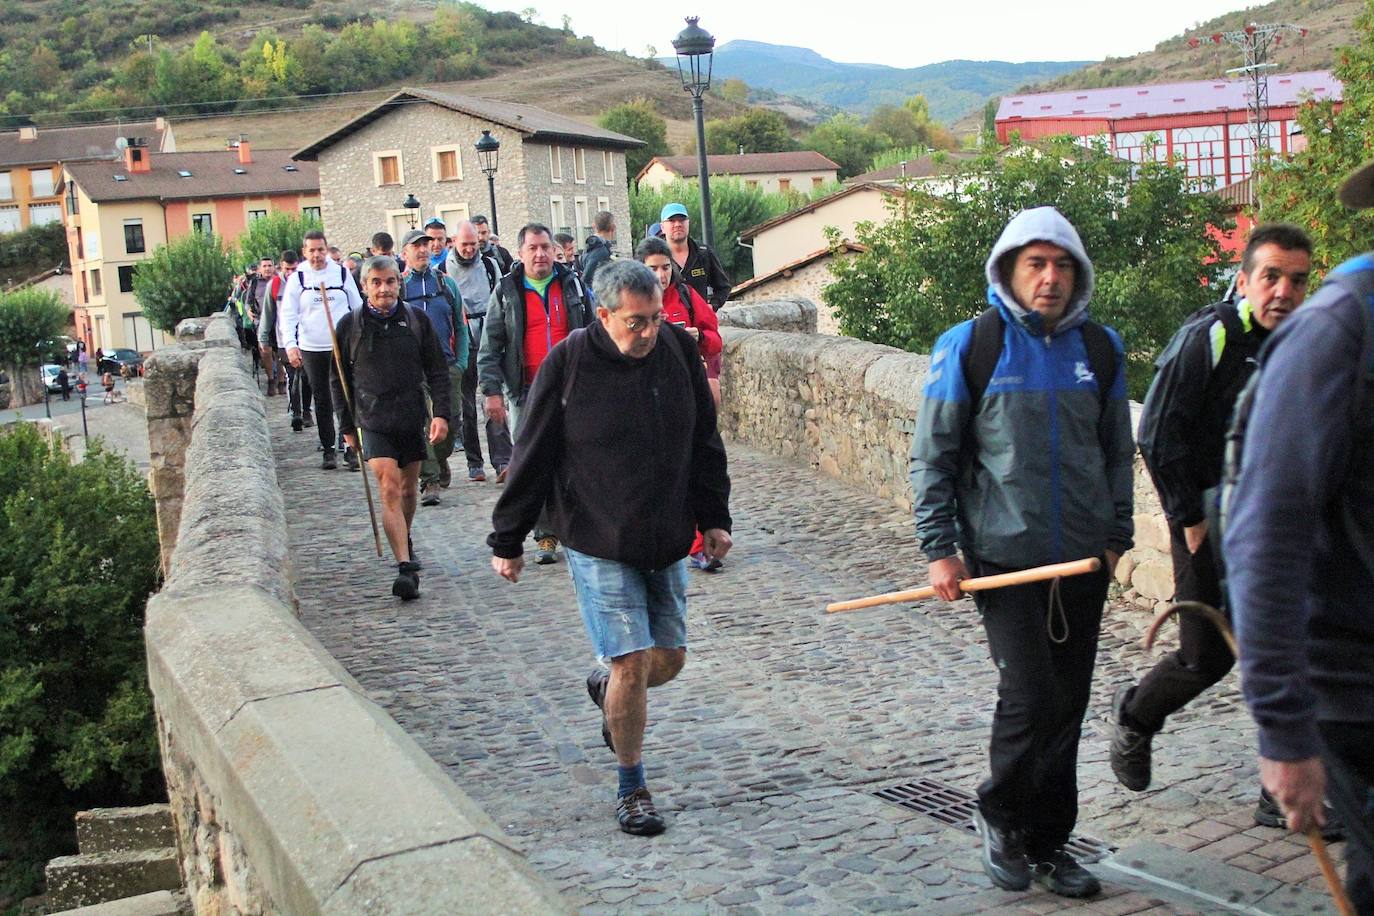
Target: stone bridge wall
x,y
848,409
291,791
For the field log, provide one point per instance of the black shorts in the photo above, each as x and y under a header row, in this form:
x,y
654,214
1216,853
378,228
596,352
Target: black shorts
x,y
403,448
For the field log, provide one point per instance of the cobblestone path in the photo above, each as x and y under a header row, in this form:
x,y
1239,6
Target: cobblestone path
x,y
765,752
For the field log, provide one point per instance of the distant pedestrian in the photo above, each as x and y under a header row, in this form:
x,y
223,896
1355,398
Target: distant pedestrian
x,y
64,382
83,359
390,354
600,246
108,383
698,264
437,230
620,442
565,251
488,245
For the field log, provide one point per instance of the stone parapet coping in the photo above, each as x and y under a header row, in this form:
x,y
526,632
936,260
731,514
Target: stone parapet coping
x,y
292,792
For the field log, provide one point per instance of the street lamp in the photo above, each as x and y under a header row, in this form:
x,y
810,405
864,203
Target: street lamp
x,y
488,151
695,46
412,209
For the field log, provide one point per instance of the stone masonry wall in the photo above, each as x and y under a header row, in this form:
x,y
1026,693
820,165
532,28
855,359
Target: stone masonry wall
x,y
848,409
541,189
290,790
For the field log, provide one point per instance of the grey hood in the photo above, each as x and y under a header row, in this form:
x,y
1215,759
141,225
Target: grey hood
x,y
1042,224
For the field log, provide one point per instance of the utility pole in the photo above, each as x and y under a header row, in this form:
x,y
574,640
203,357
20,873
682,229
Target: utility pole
x,y
1255,42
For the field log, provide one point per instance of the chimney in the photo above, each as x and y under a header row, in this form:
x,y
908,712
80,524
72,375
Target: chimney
x,y
136,157
28,134
160,125
245,152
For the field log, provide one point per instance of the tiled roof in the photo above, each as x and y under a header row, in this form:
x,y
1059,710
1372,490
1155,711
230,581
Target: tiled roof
x,y
533,123
816,204
747,164
66,144
1167,98
787,270
1236,194
925,167
212,174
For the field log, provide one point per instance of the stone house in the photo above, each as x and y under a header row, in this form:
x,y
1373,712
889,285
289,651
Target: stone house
x,y
552,168
805,278
775,173
799,233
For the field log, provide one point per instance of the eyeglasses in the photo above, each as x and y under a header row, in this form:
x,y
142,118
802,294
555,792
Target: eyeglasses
x,y
638,323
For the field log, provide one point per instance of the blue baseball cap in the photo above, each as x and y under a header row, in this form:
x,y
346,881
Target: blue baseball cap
x,y
671,210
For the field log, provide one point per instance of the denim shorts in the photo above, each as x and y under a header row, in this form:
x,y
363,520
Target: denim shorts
x,y
626,609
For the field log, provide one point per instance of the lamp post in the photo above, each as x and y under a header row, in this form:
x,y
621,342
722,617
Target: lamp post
x,y
412,209
695,49
488,151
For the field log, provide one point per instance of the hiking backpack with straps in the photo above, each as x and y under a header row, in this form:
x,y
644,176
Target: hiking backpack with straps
x,y
1358,282
985,349
355,331
576,342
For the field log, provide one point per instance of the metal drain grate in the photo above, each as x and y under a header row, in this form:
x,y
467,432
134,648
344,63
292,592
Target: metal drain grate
x,y
955,807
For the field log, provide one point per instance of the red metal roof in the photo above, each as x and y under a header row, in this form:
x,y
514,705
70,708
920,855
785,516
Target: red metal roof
x,y
1120,102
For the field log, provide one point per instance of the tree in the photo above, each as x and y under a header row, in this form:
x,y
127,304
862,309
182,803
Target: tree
x,y
270,236
30,320
757,130
735,90
1144,227
1303,191
638,119
847,142
734,208
188,277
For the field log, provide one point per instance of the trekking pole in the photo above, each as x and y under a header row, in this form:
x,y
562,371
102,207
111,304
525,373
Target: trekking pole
x,y
348,401
981,584
1314,836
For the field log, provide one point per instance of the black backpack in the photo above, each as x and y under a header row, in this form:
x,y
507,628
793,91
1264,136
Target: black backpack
x,y
986,348
1358,282
355,330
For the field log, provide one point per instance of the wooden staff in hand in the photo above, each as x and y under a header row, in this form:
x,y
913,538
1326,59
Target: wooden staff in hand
x,y
348,401
982,583
1314,835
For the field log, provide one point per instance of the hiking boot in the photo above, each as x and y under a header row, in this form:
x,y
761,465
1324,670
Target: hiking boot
x,y
1062,874
445,475
296,424
597,683
637,814
330,461
271,389
410,549
307,420
1130,749
407,584
351,459
1269,814
1004,858
548,550
429,494
477,475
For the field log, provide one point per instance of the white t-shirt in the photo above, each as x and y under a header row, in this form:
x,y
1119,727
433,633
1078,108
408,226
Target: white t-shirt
x,y
303,318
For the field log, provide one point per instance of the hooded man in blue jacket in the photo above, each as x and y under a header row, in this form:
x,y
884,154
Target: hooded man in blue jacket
x,y
1025,466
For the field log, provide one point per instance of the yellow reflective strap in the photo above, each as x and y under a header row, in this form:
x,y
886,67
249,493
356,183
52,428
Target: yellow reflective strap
x,y
1218,335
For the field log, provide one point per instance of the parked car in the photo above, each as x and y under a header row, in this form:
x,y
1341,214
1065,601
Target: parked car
x,y
114,360
49,376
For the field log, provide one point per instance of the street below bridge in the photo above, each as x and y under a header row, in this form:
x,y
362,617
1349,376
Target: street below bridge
x,y
766,753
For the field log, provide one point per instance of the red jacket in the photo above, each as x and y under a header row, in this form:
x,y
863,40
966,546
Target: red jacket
x,y
701,316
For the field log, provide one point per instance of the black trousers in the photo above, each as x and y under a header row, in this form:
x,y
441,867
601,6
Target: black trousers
x,y
1350,789
297,386
1202,657
498,436
317,367
1045,664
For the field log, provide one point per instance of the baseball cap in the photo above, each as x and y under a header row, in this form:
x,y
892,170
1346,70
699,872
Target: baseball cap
x,y
412,236
1358,190
671,210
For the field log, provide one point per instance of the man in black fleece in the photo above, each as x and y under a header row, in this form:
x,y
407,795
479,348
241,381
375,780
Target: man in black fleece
x,y
619,438
389,358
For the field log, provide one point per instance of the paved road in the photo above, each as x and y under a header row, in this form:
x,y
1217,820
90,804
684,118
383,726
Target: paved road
x,y
766,752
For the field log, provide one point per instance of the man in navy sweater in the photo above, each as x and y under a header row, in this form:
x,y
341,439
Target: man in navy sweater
x,y
1300,551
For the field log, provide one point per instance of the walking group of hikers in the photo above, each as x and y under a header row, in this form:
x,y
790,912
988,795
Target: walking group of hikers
x,y
599,387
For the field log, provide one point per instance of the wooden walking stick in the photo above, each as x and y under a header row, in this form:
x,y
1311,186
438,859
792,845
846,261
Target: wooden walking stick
x,y
980,584
1314,836
348,401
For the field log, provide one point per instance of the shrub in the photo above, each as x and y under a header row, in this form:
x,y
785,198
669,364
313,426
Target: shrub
x,y
270,236
189,277
28,316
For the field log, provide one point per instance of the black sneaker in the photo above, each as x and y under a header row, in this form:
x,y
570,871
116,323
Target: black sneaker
x,y
351,459
1004,858
597,682
330,460
1062,874
407,584
1130,749
296,424
1269,814
637,814
307,420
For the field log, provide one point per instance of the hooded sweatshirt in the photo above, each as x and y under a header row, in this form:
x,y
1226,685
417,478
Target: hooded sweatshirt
x,y
1039,470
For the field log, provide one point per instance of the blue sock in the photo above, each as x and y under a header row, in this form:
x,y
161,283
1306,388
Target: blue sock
x,y
631,778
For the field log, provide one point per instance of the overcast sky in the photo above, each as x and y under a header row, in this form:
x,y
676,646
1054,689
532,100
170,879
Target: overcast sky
x,y
900,35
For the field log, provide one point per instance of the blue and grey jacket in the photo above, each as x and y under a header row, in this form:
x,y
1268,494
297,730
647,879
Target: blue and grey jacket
x,y
1039,470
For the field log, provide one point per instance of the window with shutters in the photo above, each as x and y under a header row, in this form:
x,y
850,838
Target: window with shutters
x,y
448,166
579,165
386,168
555,164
